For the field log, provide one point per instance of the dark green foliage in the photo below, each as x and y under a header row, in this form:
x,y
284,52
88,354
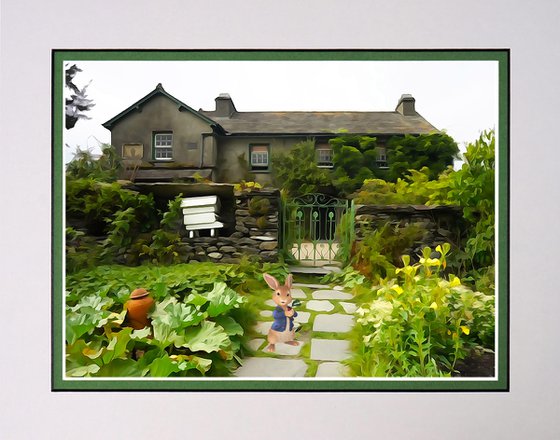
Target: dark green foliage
x,y
435,151
297,172
354,160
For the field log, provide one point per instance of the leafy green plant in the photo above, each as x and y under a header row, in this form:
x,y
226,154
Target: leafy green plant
x,y
472,188
162,249
345,234
418,323
347,277
200,322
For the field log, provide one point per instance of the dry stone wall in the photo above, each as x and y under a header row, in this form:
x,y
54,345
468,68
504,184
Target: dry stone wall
x,y
256,220
440,224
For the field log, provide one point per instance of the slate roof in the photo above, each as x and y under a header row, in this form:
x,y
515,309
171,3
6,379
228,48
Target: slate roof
x,y
391,122
296,123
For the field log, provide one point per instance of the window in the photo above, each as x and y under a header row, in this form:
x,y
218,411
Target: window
x,y
132,151
163,146
259,157
382,157
324,156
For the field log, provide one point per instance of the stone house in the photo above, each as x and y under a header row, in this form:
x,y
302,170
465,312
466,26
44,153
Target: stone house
x,y
162,139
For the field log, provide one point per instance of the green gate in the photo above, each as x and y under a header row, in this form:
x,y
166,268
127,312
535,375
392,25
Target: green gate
x,y
317,229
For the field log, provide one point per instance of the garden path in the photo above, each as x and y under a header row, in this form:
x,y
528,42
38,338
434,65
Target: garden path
x,y
325,317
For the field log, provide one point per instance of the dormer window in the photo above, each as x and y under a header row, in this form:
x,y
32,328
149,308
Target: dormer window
x,y
163,145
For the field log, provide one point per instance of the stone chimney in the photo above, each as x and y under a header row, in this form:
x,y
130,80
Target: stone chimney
x,y
224,105
406,105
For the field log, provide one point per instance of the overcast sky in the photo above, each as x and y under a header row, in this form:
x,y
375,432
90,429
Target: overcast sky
x,y
460,97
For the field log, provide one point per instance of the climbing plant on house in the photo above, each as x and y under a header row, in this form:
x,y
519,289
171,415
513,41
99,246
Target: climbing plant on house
x,y
436,151
354,160
297,172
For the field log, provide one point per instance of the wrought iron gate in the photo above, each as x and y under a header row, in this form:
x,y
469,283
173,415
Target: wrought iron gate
x,y
317,228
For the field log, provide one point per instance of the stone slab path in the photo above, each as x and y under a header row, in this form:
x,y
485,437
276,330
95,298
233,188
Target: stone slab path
x,y
324,319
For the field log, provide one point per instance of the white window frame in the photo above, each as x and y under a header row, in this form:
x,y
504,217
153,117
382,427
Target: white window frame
x,y
163,146
260,160
324,163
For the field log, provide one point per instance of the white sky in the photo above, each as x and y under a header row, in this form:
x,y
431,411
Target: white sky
x,y
460,97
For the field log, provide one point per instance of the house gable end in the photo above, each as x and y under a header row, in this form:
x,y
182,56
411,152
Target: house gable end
x,y
159,91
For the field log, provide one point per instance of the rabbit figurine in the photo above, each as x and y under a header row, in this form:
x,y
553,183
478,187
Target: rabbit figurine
x,y
282,329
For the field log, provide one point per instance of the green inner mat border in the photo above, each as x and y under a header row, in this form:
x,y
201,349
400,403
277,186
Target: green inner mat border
x,y
499,383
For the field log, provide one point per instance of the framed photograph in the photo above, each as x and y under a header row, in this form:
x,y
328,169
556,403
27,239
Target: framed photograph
x,y
280,220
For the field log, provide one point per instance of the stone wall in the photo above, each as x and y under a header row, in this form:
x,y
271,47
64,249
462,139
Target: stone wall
x,y
440,224
256,219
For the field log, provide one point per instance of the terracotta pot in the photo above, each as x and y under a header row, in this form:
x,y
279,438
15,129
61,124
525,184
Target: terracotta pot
x,y
138,307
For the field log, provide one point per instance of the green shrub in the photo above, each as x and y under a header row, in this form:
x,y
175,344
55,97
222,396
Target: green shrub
x,y
92,202
415,188
381,249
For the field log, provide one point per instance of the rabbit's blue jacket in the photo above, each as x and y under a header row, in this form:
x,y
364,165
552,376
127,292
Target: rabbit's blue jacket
x,y
279,316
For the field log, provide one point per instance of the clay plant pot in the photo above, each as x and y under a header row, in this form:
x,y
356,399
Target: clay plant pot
x,y
137,308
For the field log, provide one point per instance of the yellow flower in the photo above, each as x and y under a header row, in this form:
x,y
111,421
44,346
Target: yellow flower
x,y
465,329
433,306
456,281
430,261
397,289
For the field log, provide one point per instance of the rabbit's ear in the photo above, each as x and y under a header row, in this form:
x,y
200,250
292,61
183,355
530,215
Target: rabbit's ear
x,y
289,280
271,281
